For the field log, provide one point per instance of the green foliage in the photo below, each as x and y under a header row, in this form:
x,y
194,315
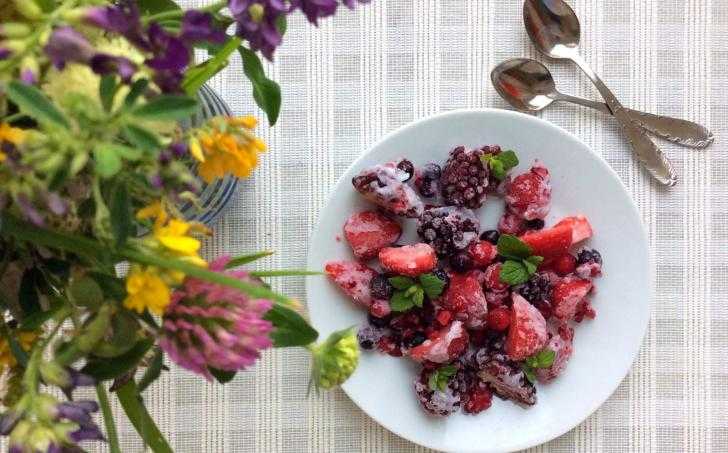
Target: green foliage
x,y
291,329
110,368
266,92
166,108
441,377
31,101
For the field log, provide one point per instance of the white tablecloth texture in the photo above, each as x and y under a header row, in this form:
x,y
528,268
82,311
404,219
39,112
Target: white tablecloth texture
x,y
362,74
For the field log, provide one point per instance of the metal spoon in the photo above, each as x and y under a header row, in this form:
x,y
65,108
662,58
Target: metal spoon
x,y
554,28
528,85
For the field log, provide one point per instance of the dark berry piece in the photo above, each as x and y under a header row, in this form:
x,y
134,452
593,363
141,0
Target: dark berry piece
x,y
448,229
405,170
536,289
442,275
587,256
477,399
428,180
464,179
378,322
417,339
491,236
380,288
368,336
461,262
535,224
431,171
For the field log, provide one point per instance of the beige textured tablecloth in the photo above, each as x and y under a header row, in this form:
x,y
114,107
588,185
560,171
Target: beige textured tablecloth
x,y
365,73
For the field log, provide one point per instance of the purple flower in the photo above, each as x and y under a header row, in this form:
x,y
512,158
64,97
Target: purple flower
x,y
28,76
108,64
256,21
122,18
210,325
56,204
199,26
178,149
29,211
316,9
4,53
66,44
8,421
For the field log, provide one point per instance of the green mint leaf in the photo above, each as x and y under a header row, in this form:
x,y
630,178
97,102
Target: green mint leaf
x,y
432,382
432,285
448,370
508,159
511,247
418,298
546,358
530,375
497,169
530,267
400,301
535,259
513,273
402,283
439,378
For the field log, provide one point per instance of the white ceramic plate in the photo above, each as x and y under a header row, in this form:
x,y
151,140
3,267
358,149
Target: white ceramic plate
x,y
604,348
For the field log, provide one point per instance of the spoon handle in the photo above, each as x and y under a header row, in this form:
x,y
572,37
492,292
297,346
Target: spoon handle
x,y
683,132
646,150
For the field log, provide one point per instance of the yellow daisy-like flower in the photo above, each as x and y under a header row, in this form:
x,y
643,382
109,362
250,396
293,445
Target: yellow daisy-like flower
x,y
146,290
226,145
25,340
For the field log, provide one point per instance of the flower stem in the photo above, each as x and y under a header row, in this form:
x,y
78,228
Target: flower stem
x,y
178,13
113,437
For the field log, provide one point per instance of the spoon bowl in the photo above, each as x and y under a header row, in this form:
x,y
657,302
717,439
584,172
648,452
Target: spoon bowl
x,y
553,27
524,83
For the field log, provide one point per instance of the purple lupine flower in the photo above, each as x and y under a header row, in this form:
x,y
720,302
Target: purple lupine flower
x,y
316,9
178,149
77,411
256,21
199,26
4,53
211,325
29,211
56,204
66,44
156,181
87,432
8,421
123,18
28,76
103,64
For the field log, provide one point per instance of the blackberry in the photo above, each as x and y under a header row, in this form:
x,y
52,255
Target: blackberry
x,y
405,170
368,336
380,287
428,181
378,322
535,224
461,262
464,179
442,275
448,229
416,339
587,256
491,236
536,289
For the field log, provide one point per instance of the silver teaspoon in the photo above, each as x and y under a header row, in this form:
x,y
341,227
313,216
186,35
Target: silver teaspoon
x,y
555,30
528,85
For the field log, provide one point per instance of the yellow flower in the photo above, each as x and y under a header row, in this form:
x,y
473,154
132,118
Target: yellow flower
x,y
25,339
226,145
154,210
146,290
11,134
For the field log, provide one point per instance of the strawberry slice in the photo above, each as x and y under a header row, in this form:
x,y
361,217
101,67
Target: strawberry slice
x,y
527,334
410,260
444,346
370,231
567,294
549,242
580,228
483,253
353,278
466,301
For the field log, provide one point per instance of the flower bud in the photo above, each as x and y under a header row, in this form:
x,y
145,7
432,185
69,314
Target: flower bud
x,y
28,8
14,30
55,374
335,360
29,70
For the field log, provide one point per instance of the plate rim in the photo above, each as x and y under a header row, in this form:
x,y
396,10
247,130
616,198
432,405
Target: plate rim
x,y
644,238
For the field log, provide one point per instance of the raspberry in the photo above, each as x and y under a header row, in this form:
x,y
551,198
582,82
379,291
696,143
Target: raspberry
x,y
491,236
483,253
380,288
448,229
506,378
427,181
536,289
528,195
563,264
477,399
444,317
499,319
464,179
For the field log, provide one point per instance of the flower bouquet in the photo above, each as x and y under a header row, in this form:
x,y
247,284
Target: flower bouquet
x,y
100,272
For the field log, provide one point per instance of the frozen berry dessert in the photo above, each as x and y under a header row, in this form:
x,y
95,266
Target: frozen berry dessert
x,y
480,310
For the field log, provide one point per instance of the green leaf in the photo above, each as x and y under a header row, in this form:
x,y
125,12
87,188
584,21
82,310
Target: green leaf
x,y
432,285
500,163
291,329
530,374
144,424
245,259
27,292
124,151
439,378
222,376
402,283
107,90
532,263
122,224
508,158
103,369
197,76
108,163
37,319
510,246
122,337
154,370
282,24
166,107
137,89
46,5
400,301
149,7
140,137
535,259
85,292
266,92
31,101
418,298
513,273
545,358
